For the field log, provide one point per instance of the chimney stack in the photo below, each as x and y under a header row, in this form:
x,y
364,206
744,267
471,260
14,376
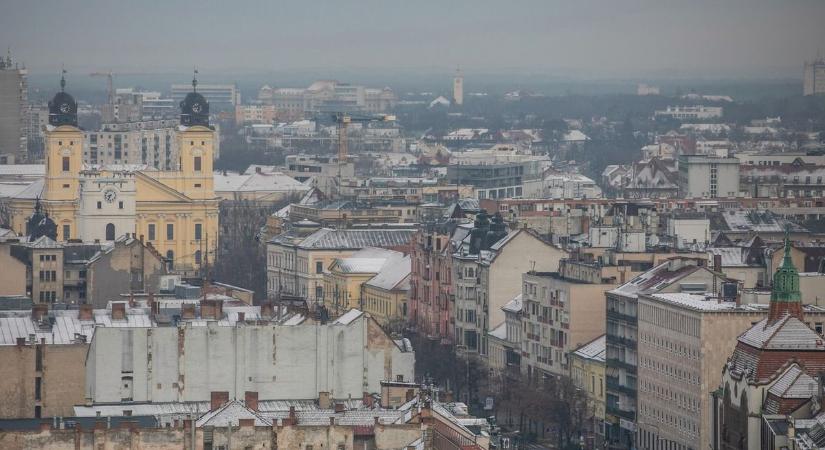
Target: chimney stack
x,y
187,311
118,311
85,312
266,310
717,262
39,310
218,399
251,400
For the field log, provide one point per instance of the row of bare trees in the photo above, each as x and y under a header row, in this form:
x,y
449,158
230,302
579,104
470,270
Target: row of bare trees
x,y
546,408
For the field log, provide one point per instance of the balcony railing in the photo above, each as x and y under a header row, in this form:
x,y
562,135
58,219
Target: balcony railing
x,y
615,411
613,384
612,314
613,362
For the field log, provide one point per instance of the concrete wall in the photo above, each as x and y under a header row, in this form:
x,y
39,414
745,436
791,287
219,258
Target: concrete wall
x,y
282,362
61,386
127,268
13,275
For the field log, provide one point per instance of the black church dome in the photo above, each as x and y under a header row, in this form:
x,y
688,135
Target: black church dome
x,y
63,110
194,110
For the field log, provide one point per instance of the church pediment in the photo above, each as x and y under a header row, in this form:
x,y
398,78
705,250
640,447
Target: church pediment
x,y
153,190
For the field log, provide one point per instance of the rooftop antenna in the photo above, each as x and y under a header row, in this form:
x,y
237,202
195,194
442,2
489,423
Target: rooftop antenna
x,y
195,80
62,78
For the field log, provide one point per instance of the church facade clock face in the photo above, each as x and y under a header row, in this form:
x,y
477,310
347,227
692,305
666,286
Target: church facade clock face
x,y
64,108
110,195
196,108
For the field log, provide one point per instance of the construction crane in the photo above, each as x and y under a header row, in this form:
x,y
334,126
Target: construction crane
x,y
110,90
342,120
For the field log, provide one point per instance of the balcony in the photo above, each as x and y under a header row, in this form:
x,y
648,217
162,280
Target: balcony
x,y
613,362
615,411
623,341
612,314
613,384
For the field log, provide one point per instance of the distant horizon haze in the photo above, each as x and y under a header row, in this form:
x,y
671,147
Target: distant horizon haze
x,y
588,39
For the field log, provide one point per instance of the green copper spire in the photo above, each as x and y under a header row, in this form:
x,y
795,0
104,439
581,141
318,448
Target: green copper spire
x,y
786,278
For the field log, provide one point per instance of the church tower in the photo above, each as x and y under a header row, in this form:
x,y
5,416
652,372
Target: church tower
x,y
196,142
458,88
64,148
785,295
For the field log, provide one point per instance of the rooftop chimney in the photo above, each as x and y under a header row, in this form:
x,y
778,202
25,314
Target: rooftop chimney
x,y
266,310
339,407
39,311
85,312
218,399
187,311
323,400
251,400
118,311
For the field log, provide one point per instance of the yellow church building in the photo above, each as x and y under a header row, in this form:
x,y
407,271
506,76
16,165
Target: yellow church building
x,y
175,211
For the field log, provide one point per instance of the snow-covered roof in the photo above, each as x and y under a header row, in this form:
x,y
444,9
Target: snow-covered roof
x,y
794,383
328,238
499,332
515,305
595,349
257,182
393,274
701,302
656,278
787,333
575,136
230,414
22,170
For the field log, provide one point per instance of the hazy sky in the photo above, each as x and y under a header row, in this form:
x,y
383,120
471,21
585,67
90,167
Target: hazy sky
x,y
597,38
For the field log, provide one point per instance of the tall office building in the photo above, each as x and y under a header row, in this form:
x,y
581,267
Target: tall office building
x,y
13,112
458,88
814,79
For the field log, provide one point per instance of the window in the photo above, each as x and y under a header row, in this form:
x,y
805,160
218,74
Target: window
x,y
99,205
66,234
170,231
120,205
170,259
198,231
319,267
197,164
65,163
151,232
110,232
198,257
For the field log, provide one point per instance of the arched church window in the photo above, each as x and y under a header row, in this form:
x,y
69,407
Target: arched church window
x,y
110,232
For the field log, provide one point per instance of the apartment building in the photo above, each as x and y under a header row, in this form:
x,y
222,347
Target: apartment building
x,y
675,275
79,273
432,299
562,311
587,370
152,143
708,177
684,338
487,268
14,123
